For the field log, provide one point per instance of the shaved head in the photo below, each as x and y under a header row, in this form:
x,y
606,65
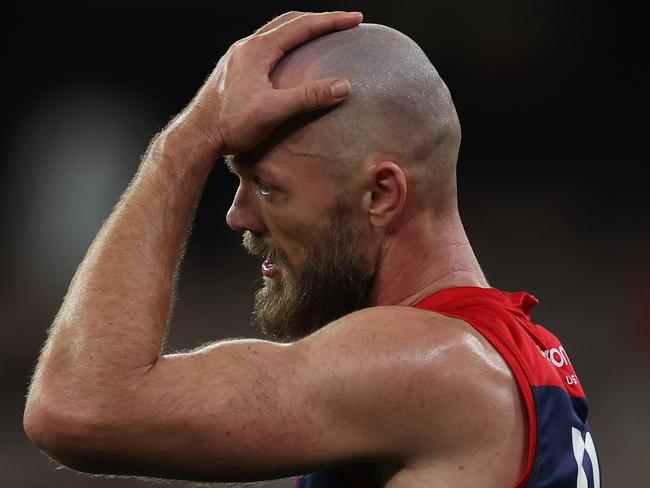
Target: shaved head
x,y
399,108
399,115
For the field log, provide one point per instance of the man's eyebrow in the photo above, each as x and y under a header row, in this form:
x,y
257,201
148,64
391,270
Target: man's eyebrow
x,y
233,162
230,160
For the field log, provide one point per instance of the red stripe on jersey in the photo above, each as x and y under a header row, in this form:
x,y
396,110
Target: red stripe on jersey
x,y
534,355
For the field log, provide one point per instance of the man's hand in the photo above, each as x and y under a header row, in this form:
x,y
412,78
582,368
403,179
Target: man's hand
x,y
237,107
92,390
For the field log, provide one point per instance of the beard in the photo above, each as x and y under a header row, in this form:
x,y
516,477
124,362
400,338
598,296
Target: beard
x,y
333,280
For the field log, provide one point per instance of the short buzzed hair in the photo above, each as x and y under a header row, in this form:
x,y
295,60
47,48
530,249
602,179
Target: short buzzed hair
x,y
399,105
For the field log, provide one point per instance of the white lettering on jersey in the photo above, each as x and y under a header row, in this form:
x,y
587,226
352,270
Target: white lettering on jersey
x,y
556,356
571,379
579,448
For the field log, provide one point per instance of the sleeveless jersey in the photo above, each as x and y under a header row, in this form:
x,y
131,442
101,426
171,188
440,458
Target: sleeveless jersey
x,y
561,449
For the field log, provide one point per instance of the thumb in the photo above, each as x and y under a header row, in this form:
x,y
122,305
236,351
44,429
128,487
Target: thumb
x,y
313,95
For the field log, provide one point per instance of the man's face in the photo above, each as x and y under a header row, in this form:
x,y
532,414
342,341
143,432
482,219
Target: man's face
x,y
315,266
334,279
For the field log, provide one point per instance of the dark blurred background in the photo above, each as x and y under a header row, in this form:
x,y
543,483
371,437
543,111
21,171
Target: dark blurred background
x,y
551,97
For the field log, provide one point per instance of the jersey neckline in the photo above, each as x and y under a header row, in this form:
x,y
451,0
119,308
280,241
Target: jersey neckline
x,y
518,302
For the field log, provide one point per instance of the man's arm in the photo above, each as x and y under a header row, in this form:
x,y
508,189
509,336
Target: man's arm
x,y
109,330
383,384
389,384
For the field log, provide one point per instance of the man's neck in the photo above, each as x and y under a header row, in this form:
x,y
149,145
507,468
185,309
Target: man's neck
x,y
423,259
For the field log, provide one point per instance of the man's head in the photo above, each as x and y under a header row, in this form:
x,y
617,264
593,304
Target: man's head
x,y
326,192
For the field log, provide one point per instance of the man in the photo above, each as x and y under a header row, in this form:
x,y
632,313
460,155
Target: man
x,y
393,362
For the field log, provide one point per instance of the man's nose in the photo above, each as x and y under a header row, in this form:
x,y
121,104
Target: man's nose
x,y
242,214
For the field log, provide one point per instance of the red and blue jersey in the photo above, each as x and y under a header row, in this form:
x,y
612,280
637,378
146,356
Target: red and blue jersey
x,y
561,449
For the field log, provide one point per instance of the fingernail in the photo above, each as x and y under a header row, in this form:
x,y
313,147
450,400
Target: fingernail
x,y
340,89
354,14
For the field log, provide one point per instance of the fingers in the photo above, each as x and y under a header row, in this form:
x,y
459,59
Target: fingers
x,y
279,20
302,28
311,96
248,105
283,19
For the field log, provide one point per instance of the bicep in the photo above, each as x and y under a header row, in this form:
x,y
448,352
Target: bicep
x,y
231,411
234,411
250,409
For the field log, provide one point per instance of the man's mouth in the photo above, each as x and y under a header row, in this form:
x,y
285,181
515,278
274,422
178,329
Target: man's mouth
x,y
269,269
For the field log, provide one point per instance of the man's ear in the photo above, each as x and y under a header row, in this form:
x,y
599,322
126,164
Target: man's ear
x,y
386,193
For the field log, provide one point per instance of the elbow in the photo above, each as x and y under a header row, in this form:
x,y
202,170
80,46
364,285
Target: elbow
x,y
64,435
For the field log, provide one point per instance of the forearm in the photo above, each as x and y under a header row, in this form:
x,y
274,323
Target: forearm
x,y
112,322
92,372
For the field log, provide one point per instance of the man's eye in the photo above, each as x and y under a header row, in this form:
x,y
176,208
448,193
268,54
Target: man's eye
x,y
263,189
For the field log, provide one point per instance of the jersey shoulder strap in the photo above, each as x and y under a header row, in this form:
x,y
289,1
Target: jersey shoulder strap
x,y
561,449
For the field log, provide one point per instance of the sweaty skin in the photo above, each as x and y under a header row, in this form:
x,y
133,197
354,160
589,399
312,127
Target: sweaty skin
x,y
418,398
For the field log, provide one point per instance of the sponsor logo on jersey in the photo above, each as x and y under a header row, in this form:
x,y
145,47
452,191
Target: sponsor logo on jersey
x,y
557,356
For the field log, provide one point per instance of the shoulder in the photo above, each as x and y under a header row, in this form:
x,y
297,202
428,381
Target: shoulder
x,y
386,323
418,377
405,336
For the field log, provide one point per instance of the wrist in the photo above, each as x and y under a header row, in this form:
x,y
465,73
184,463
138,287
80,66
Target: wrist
x,y
186,145
198,122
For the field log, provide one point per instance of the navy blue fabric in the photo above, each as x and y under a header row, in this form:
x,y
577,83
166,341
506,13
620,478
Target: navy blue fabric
x,y
555,462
